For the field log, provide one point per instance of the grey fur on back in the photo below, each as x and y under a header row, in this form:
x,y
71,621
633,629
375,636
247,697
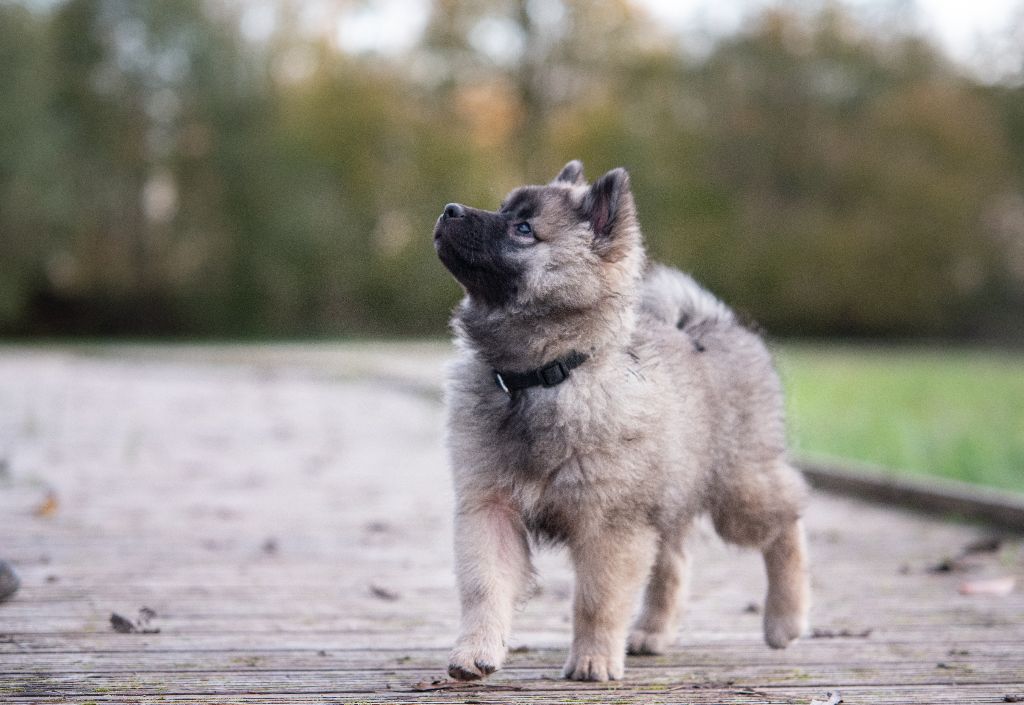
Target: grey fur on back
x,y
673,297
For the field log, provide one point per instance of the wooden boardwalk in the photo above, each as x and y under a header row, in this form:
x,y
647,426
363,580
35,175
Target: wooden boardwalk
x,y
284,512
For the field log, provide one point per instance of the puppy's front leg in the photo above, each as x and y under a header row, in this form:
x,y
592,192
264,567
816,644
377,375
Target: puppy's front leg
x,y
492,563
609,570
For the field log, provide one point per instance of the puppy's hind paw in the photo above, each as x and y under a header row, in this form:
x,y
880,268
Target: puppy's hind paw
x,y
593,667
644,643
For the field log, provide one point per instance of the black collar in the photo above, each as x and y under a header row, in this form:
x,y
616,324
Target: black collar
x,y
550,375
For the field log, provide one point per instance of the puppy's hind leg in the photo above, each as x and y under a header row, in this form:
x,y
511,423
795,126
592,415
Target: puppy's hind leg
x,y
788,600
655,627
761,508
492,557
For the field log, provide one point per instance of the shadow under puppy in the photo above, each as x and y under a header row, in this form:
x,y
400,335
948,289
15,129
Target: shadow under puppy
x,y
603,403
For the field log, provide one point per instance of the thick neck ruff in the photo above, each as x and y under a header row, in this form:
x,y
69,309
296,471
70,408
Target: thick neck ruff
x,y
550,375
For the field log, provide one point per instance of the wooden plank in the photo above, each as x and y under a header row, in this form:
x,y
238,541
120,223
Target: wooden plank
x,y
172,473
548,678
860,653
554,690
936,695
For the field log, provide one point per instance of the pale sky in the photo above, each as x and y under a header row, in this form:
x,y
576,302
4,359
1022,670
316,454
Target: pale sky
x,y
971,31
977,33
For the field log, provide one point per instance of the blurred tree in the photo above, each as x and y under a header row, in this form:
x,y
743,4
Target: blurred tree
x,y
27,163
167,168
516,71
101,91
121,78
857,171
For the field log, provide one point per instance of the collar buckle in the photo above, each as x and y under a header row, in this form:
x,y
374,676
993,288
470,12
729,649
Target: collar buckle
x,y
553,374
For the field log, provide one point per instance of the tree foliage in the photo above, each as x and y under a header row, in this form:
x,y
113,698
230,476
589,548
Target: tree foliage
x,y
161,172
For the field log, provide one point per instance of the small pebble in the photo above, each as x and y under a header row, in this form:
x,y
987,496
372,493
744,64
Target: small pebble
x,y
9,582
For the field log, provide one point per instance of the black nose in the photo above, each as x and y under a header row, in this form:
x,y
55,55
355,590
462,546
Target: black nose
x,y
454,210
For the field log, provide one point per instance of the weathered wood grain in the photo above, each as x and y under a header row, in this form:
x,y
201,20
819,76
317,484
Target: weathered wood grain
x,y
254,497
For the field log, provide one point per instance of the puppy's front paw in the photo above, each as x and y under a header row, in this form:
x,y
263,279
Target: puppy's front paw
x,y
644,643
470,661
781,628
590,666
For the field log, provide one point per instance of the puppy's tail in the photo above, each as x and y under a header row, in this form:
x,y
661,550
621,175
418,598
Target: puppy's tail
x,y
676,299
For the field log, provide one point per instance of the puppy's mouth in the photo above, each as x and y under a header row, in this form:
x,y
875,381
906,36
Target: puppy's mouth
x,y
448,238
469,244
454,246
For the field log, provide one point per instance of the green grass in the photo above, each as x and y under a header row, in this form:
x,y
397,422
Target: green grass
x,y
953,413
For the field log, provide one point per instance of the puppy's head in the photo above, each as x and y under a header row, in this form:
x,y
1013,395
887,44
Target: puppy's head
x,y
565,245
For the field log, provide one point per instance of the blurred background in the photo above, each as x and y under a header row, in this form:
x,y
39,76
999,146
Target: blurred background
x,y
220,169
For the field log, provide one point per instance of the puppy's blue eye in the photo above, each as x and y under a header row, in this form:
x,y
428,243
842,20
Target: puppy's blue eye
x,y
524,229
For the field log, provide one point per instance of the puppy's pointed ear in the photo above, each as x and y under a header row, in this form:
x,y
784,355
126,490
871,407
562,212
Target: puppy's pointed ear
x,y
571,173
606,201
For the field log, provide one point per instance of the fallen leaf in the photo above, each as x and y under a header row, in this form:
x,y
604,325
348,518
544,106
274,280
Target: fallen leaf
x,y
990,544
834,698
838,633
383,593
48,507
704,685
449,684
146,614
438,684
992,586
122,625
952,565
959,564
